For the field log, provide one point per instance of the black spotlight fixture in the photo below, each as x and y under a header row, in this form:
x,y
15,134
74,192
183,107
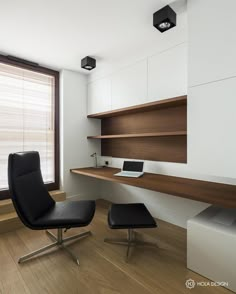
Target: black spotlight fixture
x,y
164,19
88,63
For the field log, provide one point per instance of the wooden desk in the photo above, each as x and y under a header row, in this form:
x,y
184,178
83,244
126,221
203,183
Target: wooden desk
x,y
222,195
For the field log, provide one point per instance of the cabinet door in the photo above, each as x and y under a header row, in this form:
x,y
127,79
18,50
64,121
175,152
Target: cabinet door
x,y
167,74
211,124
99,96
212,40
129,86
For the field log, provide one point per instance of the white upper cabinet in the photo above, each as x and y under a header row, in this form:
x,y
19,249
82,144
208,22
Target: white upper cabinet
x,y
129,86
167,74
212,40
161,76
99,96
211,123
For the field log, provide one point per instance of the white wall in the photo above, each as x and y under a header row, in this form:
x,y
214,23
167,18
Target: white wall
x,y
164,74
74,128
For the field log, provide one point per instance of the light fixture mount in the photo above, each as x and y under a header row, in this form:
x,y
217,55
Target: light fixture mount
x,y
164,19
88,63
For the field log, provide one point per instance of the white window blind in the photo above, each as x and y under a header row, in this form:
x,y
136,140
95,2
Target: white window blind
x,y
26,117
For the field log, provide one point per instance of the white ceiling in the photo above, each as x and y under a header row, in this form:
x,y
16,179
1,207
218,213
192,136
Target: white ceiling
x,y
59,33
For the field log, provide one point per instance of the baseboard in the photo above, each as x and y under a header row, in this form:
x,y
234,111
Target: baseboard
x,y
9,222
58,195
6,206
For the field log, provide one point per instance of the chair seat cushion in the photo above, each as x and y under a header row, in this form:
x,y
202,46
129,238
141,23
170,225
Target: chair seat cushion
x,y
128,216
67,214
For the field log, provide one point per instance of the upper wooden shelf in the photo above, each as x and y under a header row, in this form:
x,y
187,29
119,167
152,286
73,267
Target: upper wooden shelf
x,y
166,103
223,195
156,134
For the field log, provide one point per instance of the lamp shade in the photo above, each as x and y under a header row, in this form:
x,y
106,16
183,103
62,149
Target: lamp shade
x,y
88,63
164,19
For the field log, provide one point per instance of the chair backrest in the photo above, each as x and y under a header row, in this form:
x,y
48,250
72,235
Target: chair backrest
x,y
28,192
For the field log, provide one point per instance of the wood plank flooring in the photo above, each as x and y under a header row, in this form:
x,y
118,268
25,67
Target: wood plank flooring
x,y
102,269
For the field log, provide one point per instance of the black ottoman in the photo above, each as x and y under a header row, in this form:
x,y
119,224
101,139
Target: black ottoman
x,y
130,216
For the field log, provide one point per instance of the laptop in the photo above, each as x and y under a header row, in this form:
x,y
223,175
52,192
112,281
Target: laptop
x,y
132,169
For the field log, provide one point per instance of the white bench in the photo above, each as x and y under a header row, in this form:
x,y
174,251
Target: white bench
x,y
211,245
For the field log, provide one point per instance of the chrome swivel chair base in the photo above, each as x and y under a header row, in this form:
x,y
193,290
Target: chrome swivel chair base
x,y
59,242
130,241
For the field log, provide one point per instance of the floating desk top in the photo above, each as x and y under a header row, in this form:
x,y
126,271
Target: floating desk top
x,y
222,195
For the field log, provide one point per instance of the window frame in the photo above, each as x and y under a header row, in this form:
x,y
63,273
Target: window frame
x,y
4,193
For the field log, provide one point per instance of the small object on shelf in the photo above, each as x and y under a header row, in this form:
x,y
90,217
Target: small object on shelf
x,y
94,155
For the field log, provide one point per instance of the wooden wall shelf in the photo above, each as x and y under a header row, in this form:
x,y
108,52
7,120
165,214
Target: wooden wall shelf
x,y
152,131
165,103
159,134
223,195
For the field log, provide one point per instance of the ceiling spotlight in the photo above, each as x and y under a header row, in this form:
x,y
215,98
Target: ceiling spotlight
x,y
88,63
164,19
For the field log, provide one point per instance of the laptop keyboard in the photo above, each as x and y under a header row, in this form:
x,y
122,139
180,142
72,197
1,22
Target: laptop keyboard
x,y
129,174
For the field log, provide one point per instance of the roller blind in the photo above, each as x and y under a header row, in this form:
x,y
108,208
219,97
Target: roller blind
x,y
26,118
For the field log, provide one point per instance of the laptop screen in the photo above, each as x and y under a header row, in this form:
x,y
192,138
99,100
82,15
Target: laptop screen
x,y
135,166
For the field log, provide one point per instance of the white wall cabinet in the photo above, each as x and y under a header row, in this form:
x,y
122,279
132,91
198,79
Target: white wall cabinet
x,y
161,76
167,74
129,86
99,96
212,40
211,122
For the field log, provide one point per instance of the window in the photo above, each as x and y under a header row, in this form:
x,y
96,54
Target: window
x,y
29,118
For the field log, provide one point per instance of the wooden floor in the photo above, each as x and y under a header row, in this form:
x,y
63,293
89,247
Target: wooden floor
x,y
103,269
